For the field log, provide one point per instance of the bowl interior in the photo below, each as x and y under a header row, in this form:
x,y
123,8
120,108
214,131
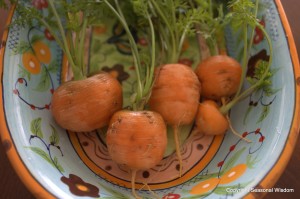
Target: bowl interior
x,y
71,165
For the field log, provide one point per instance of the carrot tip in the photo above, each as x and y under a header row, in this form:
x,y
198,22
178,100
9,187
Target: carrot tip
x,y
178,152
235,132
133,176
240,136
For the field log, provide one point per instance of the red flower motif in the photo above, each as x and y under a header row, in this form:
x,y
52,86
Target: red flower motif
x,y
40,4
171,196
20,80
220,163
47,106
262,138
232,148
80,188
143,42
244,134
16,92
32,107
257,131
259,35
48,35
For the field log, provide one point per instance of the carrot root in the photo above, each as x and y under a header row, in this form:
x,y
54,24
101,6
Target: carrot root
x,y
155,195
133,176
178,151
235,132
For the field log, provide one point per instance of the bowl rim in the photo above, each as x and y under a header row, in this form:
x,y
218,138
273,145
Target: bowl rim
x,y
281,163
9,146
269,180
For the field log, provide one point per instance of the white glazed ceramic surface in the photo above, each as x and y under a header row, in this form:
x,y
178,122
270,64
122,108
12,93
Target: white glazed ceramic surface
x,y
66,165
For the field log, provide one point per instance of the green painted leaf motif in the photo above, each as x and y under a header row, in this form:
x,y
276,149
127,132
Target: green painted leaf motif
x,y
249,109
23,73
53,67
271,91
22,47
41,153
265,112
54,138
231,162
57,165
205,175
36,38
45,81
35,127
46,157
197,196
114,193
251,161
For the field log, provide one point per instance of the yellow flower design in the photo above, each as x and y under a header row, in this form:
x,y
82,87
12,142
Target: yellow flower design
x,y
31,63
233,174
42,52
205,186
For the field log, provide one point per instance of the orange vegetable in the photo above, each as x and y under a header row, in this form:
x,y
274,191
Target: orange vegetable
x,y
88,104
175,95
220,76
209,120
136,139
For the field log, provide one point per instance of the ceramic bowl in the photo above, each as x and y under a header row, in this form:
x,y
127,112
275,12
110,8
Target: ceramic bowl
x,y
55,163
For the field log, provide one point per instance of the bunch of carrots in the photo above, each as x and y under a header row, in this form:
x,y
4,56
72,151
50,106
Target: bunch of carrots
x,y
167,93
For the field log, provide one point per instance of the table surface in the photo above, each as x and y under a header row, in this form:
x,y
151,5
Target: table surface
x,y
11,187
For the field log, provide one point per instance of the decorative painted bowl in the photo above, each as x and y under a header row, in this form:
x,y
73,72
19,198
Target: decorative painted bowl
x,y
55,163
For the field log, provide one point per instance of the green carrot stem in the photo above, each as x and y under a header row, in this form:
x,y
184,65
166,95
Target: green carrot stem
x,y
71,44
221,43
176,36
225,109
172,58
212,46
253,31
77,72
135,53
245,59
211,9
81,46
64,49
149,81
183,37
53,33
164,41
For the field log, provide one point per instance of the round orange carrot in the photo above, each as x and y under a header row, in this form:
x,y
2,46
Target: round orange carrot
x,y
175,95
209,120
88,104
136,139
220,76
